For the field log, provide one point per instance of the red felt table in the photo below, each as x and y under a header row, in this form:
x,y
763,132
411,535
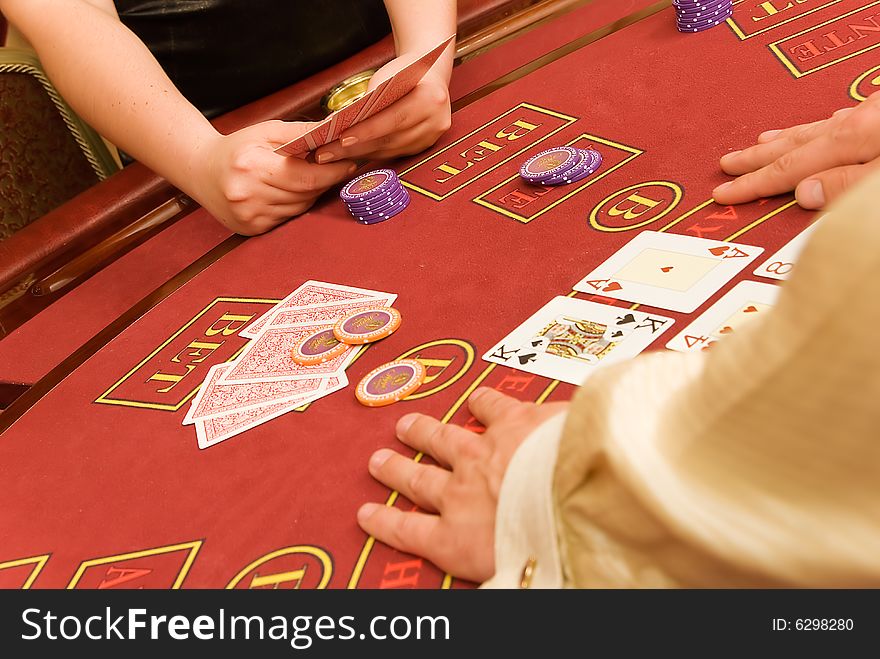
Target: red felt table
x,y
91,306
105,488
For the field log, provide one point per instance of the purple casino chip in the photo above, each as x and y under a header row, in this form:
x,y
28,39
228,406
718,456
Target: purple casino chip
x,y
687,22
549,163
690,6
703,13
389,190
710,5
685,5
597,162
387,214
369,185
382,210
586,164
697,16
583,161
360,207
701,27
704,21
381,217
592,162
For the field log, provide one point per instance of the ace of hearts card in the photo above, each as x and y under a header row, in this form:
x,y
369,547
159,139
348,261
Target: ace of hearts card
x,y
668,271
568,339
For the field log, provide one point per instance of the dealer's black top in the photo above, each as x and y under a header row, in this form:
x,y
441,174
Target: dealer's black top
x,y
222,54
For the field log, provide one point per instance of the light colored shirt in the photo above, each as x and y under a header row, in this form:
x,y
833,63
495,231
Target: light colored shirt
x,y
756,463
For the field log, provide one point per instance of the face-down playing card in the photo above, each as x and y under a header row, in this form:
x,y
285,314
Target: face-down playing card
x,y
668,271
568,339
217,399
267,358
215,429
319,295
374,101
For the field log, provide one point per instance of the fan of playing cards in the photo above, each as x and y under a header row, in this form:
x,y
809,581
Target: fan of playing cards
x,y
264,382
374,101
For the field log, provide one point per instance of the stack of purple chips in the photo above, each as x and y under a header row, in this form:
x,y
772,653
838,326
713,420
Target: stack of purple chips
x,y
375,196
699,15
561,165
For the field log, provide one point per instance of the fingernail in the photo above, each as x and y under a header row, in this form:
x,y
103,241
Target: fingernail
x,y
366,511
769,134
404,424
321,158
811,194
348,141
722,187
351,169
379,458
478,393
728,156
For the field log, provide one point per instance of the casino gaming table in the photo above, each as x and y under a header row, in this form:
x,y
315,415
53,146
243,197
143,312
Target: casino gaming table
x,y
106,488
486,55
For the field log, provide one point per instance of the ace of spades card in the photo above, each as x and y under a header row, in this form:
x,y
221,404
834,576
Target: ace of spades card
x,y
568,339
668,271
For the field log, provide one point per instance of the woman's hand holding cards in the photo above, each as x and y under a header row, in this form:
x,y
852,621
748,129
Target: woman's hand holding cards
x,y
242,182
408,126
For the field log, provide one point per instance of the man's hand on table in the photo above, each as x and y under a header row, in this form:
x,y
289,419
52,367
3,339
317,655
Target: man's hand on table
x,y
457,530
819,161
249,188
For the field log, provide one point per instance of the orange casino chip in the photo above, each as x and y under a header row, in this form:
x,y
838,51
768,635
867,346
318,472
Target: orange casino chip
x,y
367,325
317,348
390,382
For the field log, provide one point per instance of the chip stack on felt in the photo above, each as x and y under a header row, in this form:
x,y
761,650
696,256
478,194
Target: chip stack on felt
x,y
375,196
561,165
700,15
